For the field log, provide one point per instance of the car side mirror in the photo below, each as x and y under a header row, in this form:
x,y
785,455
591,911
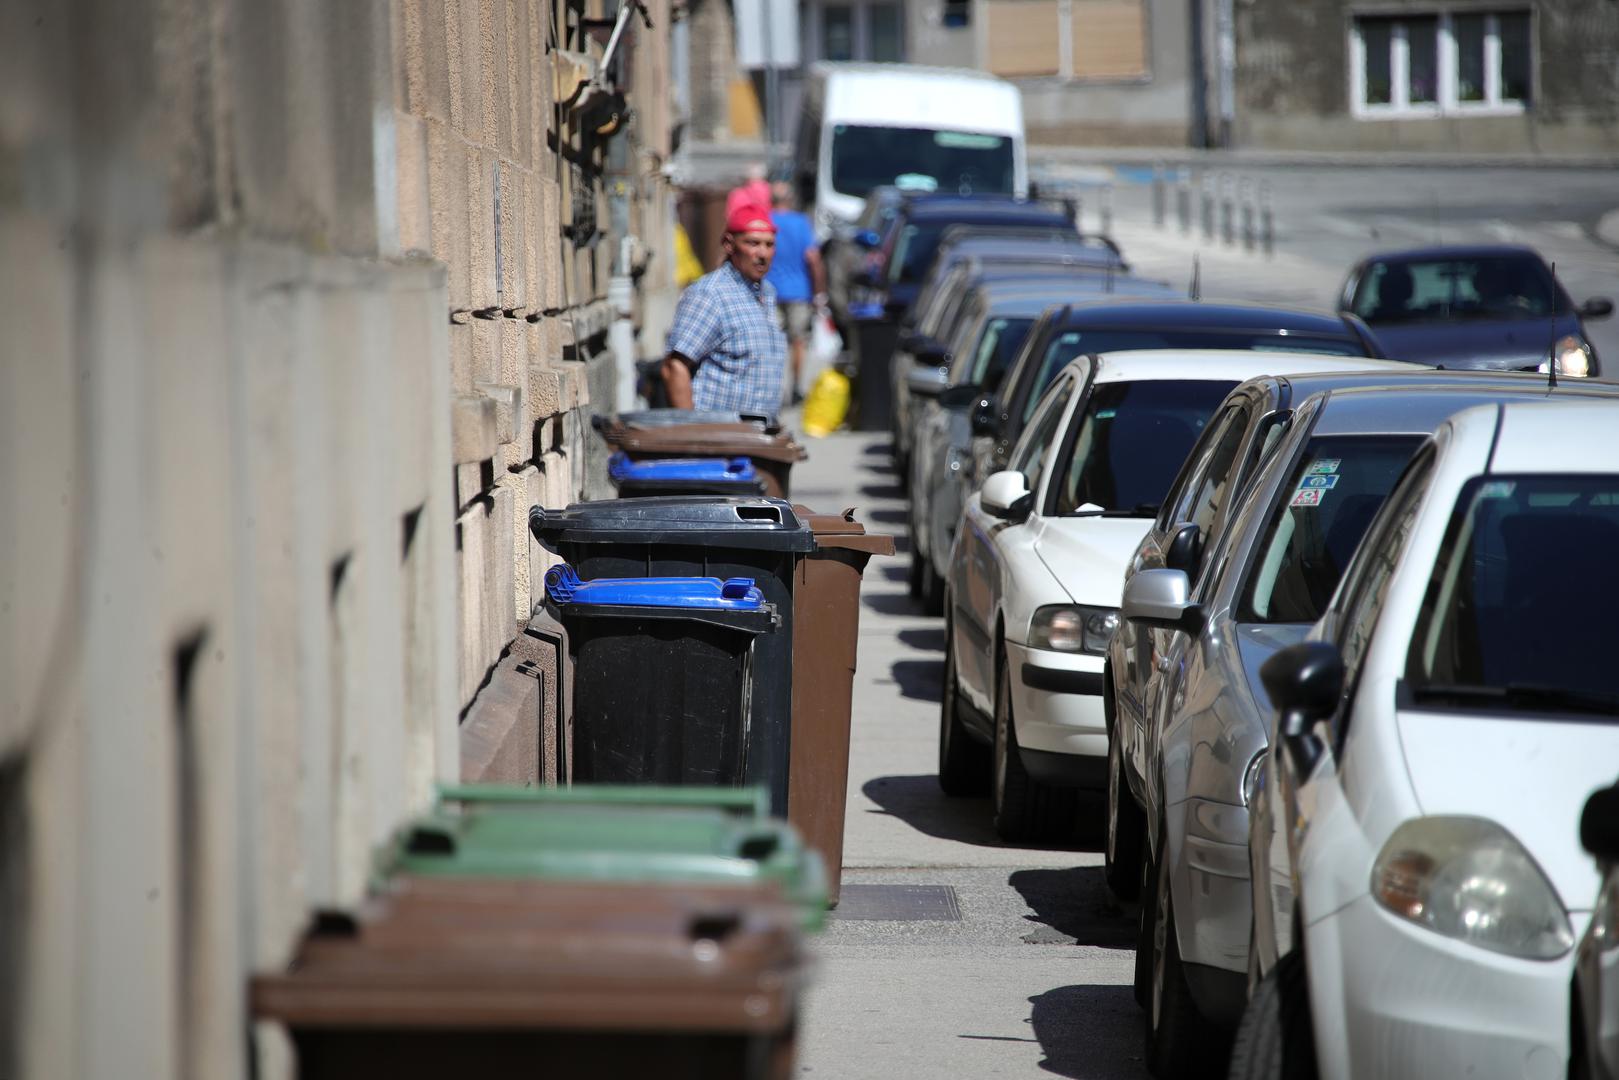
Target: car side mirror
x,y
925,382
1006,495
1598,307
1305,683
1599,824
959,397
1162,599
986,418
1185,548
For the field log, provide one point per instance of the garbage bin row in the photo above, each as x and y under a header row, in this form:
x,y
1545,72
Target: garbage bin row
x,y
649,915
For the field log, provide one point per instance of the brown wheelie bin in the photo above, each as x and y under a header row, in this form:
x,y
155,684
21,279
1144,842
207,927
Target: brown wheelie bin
x,y
567,980
771,448
826,633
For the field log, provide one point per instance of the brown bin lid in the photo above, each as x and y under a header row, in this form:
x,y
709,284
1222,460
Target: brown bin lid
x,y
468,954
687,439
843,531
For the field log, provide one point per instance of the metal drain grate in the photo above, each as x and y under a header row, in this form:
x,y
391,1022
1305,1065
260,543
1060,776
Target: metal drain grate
x,y
898,903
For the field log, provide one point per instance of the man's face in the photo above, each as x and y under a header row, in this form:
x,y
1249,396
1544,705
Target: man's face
x,y
750,253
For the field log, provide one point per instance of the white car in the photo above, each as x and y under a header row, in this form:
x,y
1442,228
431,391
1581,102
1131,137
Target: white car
x,y
1032,593
1418,882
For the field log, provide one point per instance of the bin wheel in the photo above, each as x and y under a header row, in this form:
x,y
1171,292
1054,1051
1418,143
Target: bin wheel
x,y
1121,854
1025,809
963,760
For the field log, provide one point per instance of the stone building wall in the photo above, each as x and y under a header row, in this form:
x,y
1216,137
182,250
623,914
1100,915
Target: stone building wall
x,y
300,297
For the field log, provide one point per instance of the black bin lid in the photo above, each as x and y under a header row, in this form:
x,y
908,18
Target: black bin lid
x,y
738,521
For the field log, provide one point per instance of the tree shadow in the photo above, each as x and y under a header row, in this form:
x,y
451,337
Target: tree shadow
x,y
882,491
1089,1032
930,638
1074,907
888,515
919,680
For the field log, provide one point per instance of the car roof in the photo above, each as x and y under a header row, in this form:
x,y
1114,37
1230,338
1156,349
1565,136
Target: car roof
x,y
1081,283
1564,435
1180,314
1452,251
1406,373
966,209
1369,410
1223,365
1019,303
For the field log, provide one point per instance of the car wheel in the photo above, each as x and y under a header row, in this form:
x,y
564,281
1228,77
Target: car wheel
x,y
1275,1039
913,577
932,589
1148,891
1121,853
1025,809
1180,1041
963,760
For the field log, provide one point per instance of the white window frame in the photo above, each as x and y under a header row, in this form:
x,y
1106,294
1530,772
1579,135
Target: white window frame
x,y
1400,106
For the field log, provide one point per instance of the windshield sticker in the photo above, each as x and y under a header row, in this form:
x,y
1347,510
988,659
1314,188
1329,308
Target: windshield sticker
x,y
1324,466
1497,489
1308,496
1326,483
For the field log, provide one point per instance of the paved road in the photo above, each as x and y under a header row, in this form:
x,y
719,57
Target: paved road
x,y
1003,962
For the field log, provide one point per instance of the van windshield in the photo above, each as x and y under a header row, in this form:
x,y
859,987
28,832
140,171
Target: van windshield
x,y
920,159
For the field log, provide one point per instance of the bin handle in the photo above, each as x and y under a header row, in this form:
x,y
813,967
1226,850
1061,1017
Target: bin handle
x,y
751,801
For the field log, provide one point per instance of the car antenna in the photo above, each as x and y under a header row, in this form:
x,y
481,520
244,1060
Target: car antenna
x,y
1197,278
1551,349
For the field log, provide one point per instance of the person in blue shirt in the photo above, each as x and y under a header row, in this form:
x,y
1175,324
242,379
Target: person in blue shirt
x,y
798,275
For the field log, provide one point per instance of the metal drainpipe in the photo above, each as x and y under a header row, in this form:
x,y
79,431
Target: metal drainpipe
x,y
621,286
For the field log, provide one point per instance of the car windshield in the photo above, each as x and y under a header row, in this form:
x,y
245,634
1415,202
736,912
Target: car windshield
x,y
1000,342
920,159
1324,509
1069,344
1130,442
1517,615
1493,287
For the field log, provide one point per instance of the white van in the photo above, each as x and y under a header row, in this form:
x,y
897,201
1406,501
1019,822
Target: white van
x,y
923,128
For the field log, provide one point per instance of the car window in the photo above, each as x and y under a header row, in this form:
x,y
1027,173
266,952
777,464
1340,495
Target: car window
x,y
1323,510
1516,614
1129,440
1029,456
1492,286
1000,342
1205,500
1191,470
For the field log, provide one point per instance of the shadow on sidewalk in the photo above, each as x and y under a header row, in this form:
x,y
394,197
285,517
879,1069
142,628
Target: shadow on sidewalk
x,y
917,801
887,515
1073,907
1089,1032
882,491
930,638
891,603
919,680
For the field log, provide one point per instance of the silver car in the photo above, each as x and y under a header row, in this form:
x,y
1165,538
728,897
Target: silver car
x,y
1262,584
1596,967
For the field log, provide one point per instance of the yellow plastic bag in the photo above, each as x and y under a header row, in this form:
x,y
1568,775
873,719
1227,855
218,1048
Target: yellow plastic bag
x,y
827,404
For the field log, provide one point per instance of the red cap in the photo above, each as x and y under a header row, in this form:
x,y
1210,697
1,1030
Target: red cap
x,y
746,219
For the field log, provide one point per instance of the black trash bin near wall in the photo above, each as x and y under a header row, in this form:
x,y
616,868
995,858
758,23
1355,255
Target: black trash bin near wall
x,y
700,537
664,676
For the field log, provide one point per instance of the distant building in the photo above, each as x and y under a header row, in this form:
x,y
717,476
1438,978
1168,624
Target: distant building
x,y
1482,76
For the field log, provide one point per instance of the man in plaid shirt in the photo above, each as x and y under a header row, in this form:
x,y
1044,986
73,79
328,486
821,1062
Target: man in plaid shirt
x,y
725,350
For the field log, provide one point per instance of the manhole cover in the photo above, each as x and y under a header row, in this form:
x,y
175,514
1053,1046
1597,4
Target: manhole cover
x,y
898,903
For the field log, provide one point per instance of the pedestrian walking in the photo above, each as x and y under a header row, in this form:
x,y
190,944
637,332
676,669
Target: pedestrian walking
x,y
798,275
724,349
754,191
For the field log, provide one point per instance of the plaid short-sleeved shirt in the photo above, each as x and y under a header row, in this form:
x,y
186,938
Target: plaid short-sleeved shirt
x,y
726,326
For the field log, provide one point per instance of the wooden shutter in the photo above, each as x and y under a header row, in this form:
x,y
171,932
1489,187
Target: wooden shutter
x,y
1109,39
1022,37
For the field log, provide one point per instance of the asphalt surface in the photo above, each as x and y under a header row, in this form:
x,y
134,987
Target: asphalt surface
x,y
985,960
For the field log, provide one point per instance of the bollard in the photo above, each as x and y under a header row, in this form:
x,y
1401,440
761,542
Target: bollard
x,y
1228,210
1267,221
1246,190
1105,209
1207,194
1183,199
1158,194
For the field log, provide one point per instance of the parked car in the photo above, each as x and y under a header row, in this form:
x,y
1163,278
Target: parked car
x,y
988,245
1595,1030
1115,325
1418,886
1194,635
1033,587
1492,306
853,252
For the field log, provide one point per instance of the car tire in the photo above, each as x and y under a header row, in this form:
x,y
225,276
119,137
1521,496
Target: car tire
x,y
1121,847
963,760
1147,890
1025,809
913,575
1275,1038
1180,1041
932,589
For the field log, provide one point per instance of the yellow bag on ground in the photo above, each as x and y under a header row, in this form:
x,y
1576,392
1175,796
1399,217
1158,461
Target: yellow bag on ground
x,y
827,404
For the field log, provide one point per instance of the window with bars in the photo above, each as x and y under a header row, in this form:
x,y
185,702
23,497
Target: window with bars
x,y
1441,63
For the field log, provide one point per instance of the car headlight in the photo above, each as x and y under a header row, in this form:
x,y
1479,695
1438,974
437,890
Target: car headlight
x,y
1572,355
1073,628
1469,879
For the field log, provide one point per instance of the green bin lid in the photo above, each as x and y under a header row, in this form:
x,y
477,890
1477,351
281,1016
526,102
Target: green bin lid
x,y
618,833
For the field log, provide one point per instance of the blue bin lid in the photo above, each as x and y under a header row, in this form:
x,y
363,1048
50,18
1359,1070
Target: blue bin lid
x,y
563,586
868,310
691,470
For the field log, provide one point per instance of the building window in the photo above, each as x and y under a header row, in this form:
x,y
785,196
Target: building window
x,y
887,40
1101,40
957,14
837,33
861,30
1440,64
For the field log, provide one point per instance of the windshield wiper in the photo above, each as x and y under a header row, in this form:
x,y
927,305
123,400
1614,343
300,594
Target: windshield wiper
x,y
1521,694
1139,510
